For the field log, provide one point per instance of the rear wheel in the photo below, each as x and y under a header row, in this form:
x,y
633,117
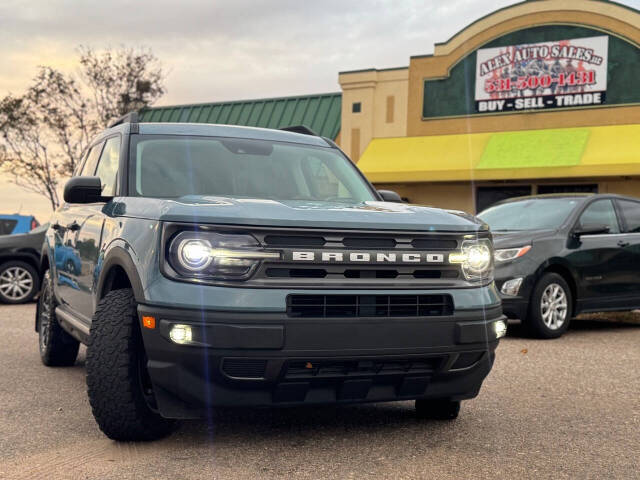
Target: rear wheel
x,y
438,409
57,347
550,308
19,282
120,390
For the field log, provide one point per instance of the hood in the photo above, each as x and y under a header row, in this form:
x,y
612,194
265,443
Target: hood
x,y
518,238
294,213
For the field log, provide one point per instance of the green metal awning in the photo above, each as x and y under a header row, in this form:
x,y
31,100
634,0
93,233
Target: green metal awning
x,y
321,113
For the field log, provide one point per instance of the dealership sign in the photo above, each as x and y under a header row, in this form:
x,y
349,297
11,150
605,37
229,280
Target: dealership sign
x,y
545,75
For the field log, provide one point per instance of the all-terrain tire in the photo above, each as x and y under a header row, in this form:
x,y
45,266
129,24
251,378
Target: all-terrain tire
x,y
538,323
116,365
437,409
57,347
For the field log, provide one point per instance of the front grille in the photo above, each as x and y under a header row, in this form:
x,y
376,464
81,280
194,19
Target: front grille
x,y
384,266
327,306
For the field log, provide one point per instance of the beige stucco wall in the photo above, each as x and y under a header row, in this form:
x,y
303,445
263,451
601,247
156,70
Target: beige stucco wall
x,y
626,186
456,196
372,88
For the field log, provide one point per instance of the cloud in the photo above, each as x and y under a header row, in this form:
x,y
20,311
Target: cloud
x,y
237,49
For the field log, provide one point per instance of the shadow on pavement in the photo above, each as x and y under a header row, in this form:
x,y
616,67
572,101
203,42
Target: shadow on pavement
x,y
303,424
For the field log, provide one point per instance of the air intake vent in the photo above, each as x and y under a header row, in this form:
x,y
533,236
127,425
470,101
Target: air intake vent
x,y
369,242
244,367
434,244
293,241
369,305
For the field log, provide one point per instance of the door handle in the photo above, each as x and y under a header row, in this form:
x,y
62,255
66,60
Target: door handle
x,y
73,226
622,243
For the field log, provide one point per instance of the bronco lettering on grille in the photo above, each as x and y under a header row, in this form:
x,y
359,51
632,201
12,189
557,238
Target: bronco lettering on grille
x,y
366,257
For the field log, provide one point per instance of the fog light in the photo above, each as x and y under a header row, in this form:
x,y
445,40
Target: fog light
x,y
511,287
500,327
180,334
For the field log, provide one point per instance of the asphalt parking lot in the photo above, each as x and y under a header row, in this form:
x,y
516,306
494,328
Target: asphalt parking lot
x,y
567,408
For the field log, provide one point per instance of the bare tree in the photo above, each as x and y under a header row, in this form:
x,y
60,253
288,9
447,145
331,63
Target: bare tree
x,y
24,153
44,132
121,81
64,112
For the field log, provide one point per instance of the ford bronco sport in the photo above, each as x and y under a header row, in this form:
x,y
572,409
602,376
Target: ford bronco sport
x,y
232,266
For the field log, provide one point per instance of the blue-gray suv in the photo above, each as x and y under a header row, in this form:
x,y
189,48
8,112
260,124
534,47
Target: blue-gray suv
x,y
231,266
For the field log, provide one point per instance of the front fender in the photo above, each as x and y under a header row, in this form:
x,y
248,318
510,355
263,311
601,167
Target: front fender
x,y
118,255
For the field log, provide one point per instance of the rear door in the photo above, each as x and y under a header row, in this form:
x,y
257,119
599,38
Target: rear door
x,y
598,260
630,241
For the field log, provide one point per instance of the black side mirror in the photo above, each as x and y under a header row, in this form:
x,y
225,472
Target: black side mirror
x,y
390,196
84,190
590,229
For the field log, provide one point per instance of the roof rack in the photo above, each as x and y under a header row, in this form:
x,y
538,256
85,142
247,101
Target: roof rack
x,y
131,117
299,129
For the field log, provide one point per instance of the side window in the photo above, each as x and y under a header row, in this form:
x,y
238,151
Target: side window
x,y
108,166
89,167
631,214
601,212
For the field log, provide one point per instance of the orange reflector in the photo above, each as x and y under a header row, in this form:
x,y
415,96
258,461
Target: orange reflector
x,y
149,322
308,365
523,250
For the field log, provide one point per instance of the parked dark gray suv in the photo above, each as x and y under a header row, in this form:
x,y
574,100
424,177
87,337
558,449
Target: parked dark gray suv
x,y
560,255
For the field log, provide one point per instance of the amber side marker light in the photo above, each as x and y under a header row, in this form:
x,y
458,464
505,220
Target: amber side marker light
x,y
149,322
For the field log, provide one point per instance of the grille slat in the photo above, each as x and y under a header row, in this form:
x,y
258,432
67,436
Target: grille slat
x,y
349,306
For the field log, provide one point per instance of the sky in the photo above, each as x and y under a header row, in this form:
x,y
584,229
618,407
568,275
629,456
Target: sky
x,y
216,50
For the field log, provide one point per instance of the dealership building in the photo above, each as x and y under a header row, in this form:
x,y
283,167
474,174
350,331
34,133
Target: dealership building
x,y
539,97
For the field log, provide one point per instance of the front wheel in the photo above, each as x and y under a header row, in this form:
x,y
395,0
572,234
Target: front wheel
x,y
550,308
120,391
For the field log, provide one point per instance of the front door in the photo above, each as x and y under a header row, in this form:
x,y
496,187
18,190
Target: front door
x,y
89,220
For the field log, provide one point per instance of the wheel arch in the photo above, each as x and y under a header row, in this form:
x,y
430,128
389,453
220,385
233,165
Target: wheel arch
x,y
119,271
25,257
566,273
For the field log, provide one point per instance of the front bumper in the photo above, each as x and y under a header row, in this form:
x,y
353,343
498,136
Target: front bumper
x,y
264,359
516,306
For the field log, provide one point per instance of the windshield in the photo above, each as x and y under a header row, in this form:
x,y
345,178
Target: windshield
x,y
174,166
532,214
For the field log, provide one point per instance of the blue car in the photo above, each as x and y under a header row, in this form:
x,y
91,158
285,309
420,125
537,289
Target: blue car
x,y
13,224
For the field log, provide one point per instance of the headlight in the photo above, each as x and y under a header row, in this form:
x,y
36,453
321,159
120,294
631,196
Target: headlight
x,y
475,258
216,256
506,254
